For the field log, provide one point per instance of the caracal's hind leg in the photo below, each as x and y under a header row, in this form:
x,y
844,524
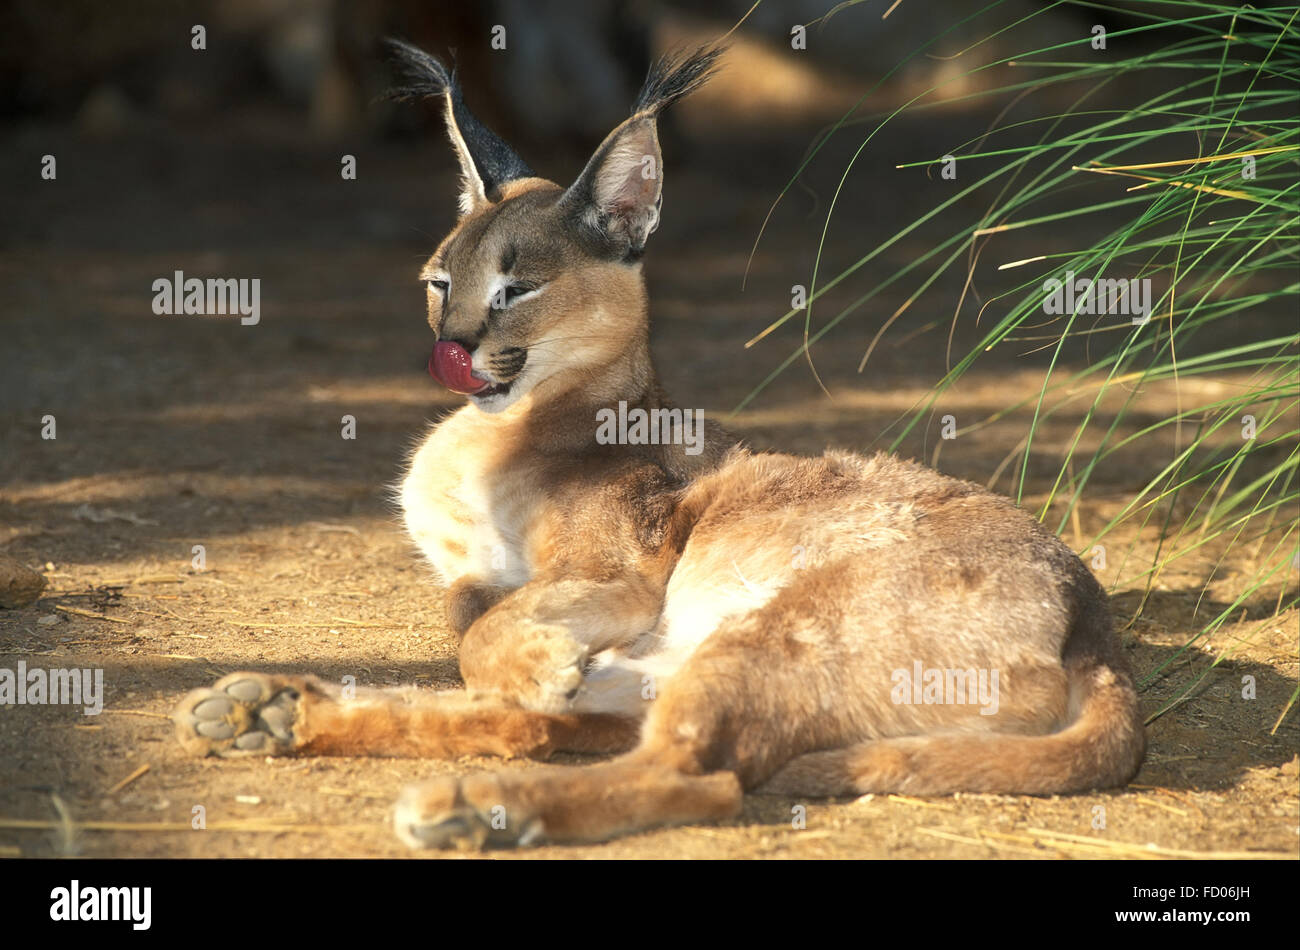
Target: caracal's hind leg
x,y
261,714
733,714
811,674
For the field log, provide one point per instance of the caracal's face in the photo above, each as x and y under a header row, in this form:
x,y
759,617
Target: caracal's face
x,y
519,297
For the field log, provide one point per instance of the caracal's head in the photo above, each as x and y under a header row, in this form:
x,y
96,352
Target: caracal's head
x,y
538,287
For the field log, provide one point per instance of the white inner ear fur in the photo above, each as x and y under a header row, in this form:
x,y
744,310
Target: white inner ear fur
x,y
629,182
472,192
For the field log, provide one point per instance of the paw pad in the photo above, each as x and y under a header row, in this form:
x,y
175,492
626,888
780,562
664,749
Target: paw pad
x,y
245,713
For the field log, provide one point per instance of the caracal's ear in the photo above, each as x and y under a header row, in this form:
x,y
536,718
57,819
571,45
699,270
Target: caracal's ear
x,y
616,198
486,162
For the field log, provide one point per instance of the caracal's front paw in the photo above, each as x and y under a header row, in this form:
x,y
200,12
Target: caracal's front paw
x,y
541,671
242,714
555,664
467,814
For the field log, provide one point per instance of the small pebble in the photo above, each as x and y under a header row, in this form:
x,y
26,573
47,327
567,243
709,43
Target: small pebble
x,y
19,584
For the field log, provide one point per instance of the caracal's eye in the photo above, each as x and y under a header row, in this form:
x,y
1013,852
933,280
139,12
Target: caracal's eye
x,y
438,285
511,293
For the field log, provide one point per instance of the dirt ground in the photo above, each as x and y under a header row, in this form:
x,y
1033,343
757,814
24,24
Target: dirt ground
x,y
182,431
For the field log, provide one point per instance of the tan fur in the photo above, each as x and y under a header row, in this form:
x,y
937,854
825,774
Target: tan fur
x,y
742,613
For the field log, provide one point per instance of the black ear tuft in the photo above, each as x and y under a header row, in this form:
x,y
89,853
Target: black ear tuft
x,y
615,201
421,75
490,160
676,75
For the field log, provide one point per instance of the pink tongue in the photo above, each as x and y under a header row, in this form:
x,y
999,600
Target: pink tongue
x,y
450,364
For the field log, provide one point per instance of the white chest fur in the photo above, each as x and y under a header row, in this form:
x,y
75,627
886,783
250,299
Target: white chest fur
x,y
460,508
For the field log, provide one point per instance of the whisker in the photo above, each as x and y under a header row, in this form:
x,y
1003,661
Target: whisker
x,y
564,339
